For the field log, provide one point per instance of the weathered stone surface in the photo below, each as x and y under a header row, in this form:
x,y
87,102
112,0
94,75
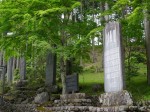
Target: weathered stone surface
x,y
73,101
143,109
115,98
52,89
113,66
73,96
25,101
18,108
41,98
88,109
50,69
40,90
72,83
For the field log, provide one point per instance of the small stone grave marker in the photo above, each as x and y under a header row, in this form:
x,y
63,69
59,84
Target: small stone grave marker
x,y
72,83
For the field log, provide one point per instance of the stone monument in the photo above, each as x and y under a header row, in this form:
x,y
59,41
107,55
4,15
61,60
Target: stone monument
x,y
22,69
113,66
51,69
72,83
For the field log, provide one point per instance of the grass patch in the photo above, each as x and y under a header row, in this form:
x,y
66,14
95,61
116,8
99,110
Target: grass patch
x,y
87,80
137,85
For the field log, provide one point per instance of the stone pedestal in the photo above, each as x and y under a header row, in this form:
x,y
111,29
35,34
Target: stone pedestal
x,y
116,99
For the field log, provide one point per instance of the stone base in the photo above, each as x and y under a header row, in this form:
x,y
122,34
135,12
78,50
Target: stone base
x,y
75,99
121,108
73,96
116,99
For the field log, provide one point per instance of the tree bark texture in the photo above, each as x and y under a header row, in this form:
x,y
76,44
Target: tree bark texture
x,y
147,43
1,58
63,75
10,71
22,69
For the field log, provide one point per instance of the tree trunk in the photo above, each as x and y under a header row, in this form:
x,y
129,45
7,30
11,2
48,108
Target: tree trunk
x,y
13,66
1,58
63,75
102,7
22,69
147,42
93,51
51,69
4,62
9,71
106,8
17,62
93,39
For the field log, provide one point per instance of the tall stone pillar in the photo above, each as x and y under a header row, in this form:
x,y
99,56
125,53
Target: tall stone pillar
x,y
22,68
115,96
51,69
10,71
113,66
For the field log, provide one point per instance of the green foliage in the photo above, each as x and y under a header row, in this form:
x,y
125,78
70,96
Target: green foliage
x,y
35,77
131,68
140,57
95,30
16,75
37,26
132,63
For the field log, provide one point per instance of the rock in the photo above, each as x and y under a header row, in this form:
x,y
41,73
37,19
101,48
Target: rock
x,y
116,98
41,98
8,94
73,96
148,102
25,101
133,108
96,87
143,109
52,89
19,100
40,90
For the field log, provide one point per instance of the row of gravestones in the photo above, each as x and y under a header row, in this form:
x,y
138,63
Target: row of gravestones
x,y
8,69
71,79
11,65
113,63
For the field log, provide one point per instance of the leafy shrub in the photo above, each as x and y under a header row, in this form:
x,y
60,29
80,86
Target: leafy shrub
x,y
131,67
35,77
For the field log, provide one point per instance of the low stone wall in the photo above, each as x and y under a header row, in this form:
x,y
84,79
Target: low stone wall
x,y
108,102
80,102
7,107
87,109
